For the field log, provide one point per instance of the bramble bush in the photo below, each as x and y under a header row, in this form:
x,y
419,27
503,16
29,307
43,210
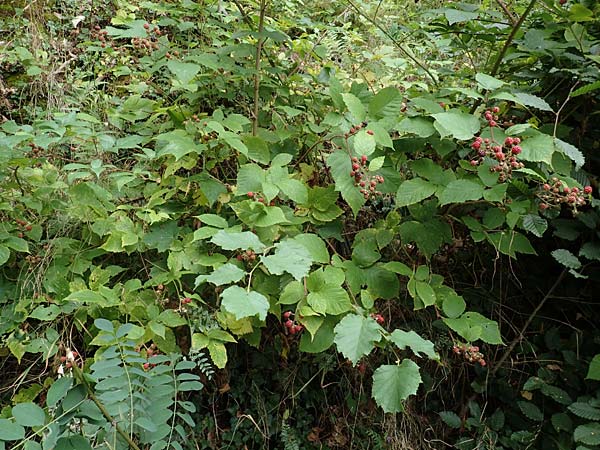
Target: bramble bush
x,y
196,192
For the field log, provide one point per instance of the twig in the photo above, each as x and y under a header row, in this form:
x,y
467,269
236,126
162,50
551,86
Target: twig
x,y
259,46
395,41
505,48
561,108
510,37
79,375
510,15
519,337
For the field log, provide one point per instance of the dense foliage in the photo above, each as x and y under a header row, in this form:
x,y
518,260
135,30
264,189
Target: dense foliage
x,y
299,224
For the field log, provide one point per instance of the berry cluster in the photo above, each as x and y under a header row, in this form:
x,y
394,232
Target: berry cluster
x,y
378,318
356,128
186,301
491,115
33,260
248,255
69,358
102,36
256,196
149,43
23,227
151,351
470,352
35,151
367,183
292,326
555,193
505,155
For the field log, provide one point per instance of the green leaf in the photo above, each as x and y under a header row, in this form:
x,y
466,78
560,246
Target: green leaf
x,y
457,124
566,258
594,369
457,15
586,89
10,431
557,394
322,340
417,344
146,424
325,297
294,189
562,422
538,148
533,101
355,336
399,268
185,72
425,293
392,384
74,442
250,178
213,220
571,151
363,143
531,411
585,410
535,224
86,296
104,325
241,303
355,107
388,96
177,143
453,305
588,433
291,257
451,419
376,164
315,246
256,214
341,166
4,254
292,293
29,415
238,240
414,191
460,191
579,13
472,326
218,354
58,390
227,273
365,253
258,150
419,126
488,82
